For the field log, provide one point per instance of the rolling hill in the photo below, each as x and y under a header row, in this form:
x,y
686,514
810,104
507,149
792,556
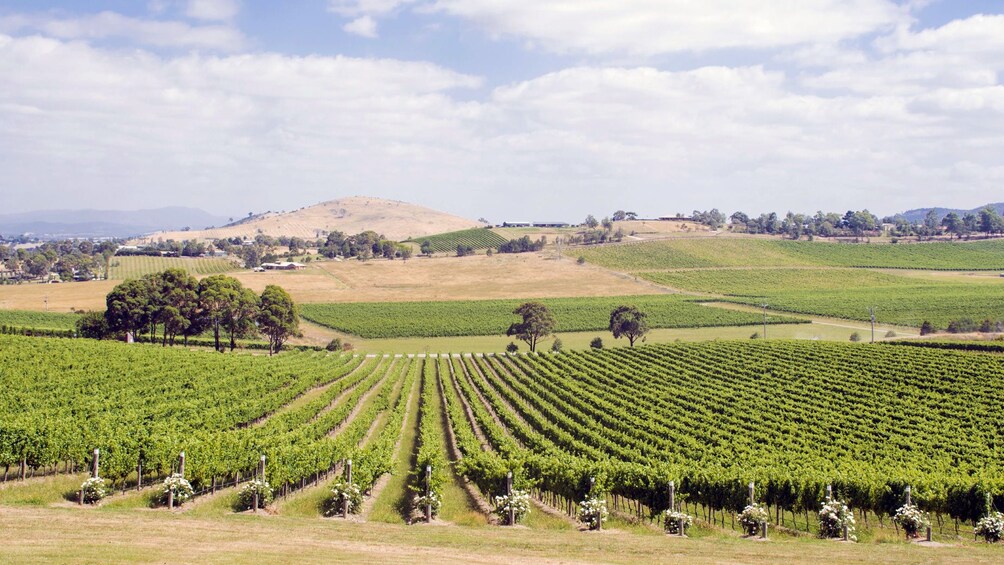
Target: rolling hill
x,y
395,220
59,224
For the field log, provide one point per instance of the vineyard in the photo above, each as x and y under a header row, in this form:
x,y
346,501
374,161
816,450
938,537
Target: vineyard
x,y
905,306
476,238
492,317
38,320
764,281
792,417
134,267
744,252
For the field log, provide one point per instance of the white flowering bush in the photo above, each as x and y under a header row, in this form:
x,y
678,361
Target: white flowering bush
x,y
673,518
752,518
245,496
340,492
911,519
593,512
518,502
180,486
833,516
421,501
990,527
93,489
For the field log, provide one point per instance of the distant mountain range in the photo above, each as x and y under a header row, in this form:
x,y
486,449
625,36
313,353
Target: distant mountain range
x,y
59,224
919,214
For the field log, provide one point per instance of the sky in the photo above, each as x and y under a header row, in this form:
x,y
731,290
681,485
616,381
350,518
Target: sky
x,y
507,110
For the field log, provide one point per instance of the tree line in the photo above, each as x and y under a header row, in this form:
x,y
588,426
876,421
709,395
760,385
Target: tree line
x,y
174,304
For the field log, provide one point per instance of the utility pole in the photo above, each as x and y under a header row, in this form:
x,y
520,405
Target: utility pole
x,y
871,310
764,319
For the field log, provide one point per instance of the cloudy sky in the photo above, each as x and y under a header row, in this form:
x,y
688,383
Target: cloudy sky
x,y
528,109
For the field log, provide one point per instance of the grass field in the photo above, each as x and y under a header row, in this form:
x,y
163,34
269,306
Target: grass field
x,y
67,535
493,317
749,252
133,267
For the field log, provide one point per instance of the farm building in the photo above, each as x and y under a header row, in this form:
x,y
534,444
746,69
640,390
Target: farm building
x,y
283,266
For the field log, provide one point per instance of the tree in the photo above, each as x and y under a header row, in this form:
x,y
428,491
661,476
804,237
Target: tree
x,y
556,346
93,325
215,295
591,222
953,223
629,322
597,343
427,248
240,314
511,348
619,216
926,328
277,317
127,306
537,323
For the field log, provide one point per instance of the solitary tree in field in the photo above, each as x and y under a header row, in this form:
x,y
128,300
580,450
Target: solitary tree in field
x,y
537,323
629,322
277,318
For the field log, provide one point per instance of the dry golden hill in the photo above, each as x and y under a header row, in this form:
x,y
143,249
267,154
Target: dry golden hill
x,y
395,220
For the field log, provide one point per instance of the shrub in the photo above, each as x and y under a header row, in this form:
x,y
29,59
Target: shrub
x,y
245,497
421,501
597,343
755,335
581,260
926,328
673,518
752,518
833,516
512,347
593,512
518,502
334,345
990,527
890,333
855,337
341,491
911,519
182,489
557,345
94,489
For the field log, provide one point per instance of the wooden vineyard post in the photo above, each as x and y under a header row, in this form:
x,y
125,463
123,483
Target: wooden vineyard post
x,y
908,497
829,493
345,495
95,463
845,533
260,478
599,518
428,493
508,492
928,533
672,508
752,500
139,474
181,464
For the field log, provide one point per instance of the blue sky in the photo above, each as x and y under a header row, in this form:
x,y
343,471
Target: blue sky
x,y
524,108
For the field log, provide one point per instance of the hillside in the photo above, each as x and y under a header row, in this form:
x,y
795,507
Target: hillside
x,y
395,220
54,224
918,215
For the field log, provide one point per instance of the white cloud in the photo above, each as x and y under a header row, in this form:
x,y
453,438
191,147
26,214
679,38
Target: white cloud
x,y
141,31
212,10
364,26
650,27
354,8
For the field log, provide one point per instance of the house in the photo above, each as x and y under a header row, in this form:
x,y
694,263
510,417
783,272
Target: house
x,y
551,224
516,224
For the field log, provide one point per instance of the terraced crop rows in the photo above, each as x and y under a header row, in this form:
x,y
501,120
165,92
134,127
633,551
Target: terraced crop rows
x,y
132,267
476,238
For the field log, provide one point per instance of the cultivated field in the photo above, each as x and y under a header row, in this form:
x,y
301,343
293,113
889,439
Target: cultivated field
x,y
492,317
790,416
134,267
478,238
